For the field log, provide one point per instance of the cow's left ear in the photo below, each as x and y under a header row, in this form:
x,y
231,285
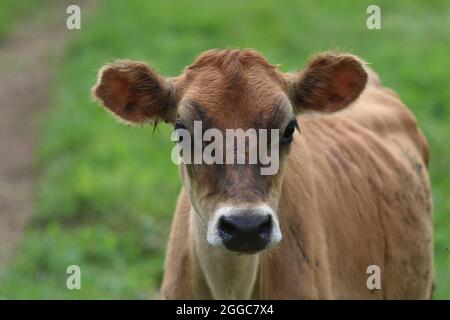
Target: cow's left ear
x,y
329,83
134,92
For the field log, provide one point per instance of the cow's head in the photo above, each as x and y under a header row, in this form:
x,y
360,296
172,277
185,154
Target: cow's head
x,y
233,89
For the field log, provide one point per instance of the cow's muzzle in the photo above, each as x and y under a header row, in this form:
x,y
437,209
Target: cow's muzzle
x,y
244,230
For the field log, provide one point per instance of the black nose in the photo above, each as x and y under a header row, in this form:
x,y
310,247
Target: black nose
x,y
245,233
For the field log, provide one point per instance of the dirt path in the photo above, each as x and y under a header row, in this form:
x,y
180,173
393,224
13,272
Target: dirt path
x,y
28,58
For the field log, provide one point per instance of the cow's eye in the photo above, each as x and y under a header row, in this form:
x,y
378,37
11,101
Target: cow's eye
x,y
179,126
289,131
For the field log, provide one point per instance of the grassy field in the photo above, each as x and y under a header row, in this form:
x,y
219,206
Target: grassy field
x,y
107,192
11,12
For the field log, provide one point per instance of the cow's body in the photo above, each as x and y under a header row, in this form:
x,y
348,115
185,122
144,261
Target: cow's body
x,y
355,193
349,193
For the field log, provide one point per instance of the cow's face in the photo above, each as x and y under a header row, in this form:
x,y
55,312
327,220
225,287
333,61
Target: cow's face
x,y
236,200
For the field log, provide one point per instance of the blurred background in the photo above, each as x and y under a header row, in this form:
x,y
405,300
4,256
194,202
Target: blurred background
x,y
78,188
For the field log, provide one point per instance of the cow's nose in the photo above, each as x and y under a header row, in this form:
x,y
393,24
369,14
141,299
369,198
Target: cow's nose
x,y
245,233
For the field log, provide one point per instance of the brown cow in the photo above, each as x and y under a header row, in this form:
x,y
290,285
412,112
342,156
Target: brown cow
x,y
352,189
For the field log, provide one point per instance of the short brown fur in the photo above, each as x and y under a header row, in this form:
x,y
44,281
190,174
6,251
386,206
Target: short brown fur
x,y
353,189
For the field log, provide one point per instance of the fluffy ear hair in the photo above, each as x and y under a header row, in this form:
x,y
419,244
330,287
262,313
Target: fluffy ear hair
x,y
329,83
133,92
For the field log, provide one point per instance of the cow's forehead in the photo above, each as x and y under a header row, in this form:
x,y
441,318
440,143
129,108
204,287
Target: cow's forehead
x,y
230,61
270,115
214,110
235,89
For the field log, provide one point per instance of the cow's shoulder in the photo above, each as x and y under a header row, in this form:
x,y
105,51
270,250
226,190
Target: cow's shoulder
x,y
380,112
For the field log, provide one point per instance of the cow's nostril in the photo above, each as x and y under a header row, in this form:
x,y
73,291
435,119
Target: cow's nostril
x,y
266,226
226,227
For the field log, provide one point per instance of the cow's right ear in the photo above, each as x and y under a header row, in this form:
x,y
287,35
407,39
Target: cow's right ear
x,y
133,92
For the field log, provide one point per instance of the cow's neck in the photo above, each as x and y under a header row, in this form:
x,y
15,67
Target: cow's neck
x,y
227,275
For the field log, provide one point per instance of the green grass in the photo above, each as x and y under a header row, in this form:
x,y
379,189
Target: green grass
x,y
12,13
108,191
